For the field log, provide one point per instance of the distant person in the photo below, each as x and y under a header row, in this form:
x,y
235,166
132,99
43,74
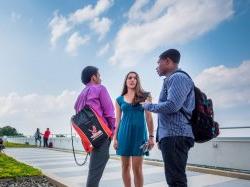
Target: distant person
x,y
38,137
131,139
174,132
97,97
1,144
46,137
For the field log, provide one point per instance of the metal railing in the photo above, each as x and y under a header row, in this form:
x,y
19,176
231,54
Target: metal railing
x,y
240,127
67,135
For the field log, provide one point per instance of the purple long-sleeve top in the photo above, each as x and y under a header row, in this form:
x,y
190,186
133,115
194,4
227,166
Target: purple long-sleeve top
x,y
97,97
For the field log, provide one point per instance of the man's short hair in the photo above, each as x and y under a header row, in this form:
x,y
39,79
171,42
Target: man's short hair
x,y
173,54
87,73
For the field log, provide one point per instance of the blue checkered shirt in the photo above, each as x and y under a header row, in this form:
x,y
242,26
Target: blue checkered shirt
x,y
177,93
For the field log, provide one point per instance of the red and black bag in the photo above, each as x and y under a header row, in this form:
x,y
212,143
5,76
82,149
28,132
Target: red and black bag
x,y
91,128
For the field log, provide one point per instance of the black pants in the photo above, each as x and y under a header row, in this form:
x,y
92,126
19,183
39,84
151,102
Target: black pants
x,y
98,160
175,154
45,142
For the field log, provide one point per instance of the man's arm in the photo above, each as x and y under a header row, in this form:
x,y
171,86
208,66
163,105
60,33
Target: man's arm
x,y
108,108
179,88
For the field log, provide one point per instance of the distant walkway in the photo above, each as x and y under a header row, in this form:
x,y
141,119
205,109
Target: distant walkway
x,y
61,166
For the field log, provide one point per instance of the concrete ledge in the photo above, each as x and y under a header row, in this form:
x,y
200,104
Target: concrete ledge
x,y
154,163
220,172
54,180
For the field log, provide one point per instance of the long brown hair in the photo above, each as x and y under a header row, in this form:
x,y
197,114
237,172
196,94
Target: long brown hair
x,y
139,91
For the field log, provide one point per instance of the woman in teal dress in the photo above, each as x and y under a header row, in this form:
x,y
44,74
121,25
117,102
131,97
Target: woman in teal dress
x,y
133,125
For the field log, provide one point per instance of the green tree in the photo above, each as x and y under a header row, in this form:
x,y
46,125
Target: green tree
x,y
9,131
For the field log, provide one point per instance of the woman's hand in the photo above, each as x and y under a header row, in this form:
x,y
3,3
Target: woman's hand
x,y
158,145
151,143
115,144
149,99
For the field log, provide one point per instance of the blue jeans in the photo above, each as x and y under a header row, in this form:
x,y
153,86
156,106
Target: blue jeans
x,y
175,154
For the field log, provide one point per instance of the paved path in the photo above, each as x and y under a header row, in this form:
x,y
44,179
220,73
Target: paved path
x,y
61,166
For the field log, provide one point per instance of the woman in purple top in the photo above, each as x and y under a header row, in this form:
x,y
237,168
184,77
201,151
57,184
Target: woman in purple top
x,y
97,97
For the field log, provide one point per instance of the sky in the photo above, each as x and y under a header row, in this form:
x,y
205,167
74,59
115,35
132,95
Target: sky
x,y
44,45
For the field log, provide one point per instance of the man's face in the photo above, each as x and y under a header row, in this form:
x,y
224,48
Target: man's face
x,y
162,68
97,78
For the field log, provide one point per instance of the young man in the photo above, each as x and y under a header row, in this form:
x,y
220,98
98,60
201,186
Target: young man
x,y
97,97
174,132
46,137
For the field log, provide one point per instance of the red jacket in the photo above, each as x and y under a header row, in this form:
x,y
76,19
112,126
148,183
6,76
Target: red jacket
x,y
46,134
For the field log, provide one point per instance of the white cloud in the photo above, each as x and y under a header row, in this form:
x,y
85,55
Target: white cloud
x,y
166,23
160,7
104,50
15,16
89,12
101,26
82,15
60,25
28,112
228,87
74,42
102,6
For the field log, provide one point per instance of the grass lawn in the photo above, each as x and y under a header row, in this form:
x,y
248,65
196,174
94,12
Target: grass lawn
x,y
10,168
16,145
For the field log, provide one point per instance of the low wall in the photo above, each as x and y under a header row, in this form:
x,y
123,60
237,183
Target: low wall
x,y
223,152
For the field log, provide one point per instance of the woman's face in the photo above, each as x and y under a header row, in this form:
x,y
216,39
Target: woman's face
x,y
131,81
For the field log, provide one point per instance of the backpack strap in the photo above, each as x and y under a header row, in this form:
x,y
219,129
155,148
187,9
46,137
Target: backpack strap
x,y
180,71
86,97
73,150
187,116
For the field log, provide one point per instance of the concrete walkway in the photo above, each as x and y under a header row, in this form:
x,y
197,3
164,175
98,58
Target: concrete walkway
x,y
61,166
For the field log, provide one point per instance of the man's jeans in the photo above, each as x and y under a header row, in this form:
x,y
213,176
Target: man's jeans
x,y
98,160
40,141
45,142
175,153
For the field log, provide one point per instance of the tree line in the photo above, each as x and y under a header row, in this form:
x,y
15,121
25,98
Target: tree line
x,y
9,131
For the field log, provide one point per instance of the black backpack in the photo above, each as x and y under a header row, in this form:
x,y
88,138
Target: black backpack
x,y
50,145
203,125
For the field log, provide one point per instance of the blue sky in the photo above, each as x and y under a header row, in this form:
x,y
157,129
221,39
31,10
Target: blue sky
x,y
44,45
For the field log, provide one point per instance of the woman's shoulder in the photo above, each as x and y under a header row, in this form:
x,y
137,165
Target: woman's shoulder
x,y
119,99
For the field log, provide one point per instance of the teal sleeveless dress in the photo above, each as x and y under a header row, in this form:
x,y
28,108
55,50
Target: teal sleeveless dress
x,y
132,132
